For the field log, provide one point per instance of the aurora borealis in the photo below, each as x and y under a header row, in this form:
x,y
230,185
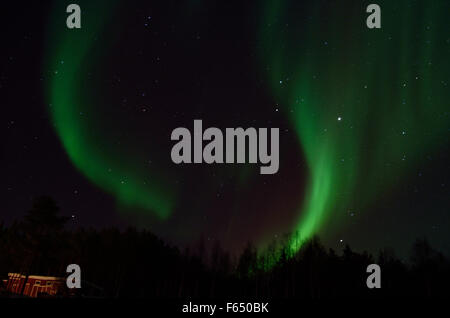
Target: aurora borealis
x,y
121,181
376,90
363,117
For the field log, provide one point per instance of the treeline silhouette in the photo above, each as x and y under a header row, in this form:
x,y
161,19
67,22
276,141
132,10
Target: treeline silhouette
x,y
135,263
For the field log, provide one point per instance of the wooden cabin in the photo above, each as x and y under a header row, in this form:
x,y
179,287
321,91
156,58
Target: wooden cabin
x,y
34,286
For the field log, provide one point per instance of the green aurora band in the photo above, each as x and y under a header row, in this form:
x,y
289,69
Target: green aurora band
x,y
81,135
366,104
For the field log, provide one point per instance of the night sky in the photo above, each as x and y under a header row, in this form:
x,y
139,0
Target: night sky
x,y
363,116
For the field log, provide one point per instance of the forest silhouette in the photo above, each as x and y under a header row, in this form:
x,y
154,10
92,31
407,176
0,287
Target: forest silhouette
x,y
138,264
